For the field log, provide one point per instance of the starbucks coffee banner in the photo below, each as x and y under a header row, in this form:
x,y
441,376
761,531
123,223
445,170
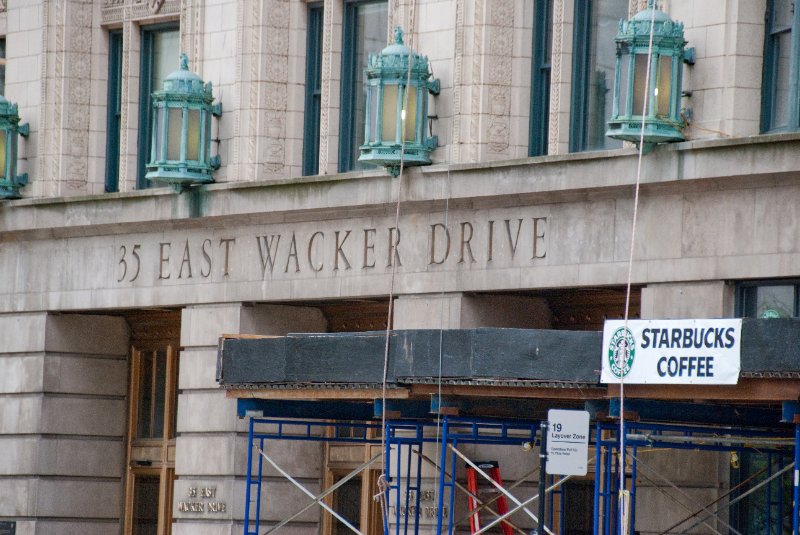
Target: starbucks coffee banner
x,y
698,351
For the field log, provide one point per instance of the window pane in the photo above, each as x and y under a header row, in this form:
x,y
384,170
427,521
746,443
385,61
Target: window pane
x,y
779,299
313,91
158,136
159,58
174,134
780,89
624,71
193,136
166,49
639,82
2,154
145,408
540,77
347,502
2,66
160,393
365,28
373,97
113,111
663,85
145,505
389,129
603,25
411,116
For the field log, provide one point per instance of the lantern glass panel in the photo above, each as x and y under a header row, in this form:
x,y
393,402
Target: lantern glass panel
x,y
624,77
373,92
3,152
193,136
410,127
158,136
639,83
662,92
174,134
389,113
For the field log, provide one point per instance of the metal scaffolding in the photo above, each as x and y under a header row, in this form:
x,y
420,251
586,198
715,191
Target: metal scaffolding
x,y
404,457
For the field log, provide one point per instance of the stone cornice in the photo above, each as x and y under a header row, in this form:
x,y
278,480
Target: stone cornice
x,y
743,163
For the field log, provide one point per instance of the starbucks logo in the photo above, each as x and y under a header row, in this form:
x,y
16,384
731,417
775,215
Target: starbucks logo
x,y
621,352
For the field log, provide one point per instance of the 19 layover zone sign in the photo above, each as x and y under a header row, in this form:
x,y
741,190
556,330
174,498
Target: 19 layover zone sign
x,y
701,351
567,442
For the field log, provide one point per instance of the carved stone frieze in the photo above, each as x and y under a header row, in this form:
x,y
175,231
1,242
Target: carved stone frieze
x,y
276,84
117,11
458,83
499,49
553,133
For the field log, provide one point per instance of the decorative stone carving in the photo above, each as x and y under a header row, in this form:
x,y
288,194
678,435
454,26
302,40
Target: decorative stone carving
x,y
154,5
325,97
3,5
499,49
555,76
458,83
275,88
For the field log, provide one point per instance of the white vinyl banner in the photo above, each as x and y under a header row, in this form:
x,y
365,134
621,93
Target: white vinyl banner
x,y
695,352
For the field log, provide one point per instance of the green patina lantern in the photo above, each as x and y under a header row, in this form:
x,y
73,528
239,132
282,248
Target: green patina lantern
x,y
10,130
397,108
662,118
181,145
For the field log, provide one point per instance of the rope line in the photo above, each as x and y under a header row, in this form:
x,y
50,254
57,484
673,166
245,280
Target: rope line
x,y
384,477
623,513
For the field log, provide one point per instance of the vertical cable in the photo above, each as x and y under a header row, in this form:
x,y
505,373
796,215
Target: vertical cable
x,y
622,492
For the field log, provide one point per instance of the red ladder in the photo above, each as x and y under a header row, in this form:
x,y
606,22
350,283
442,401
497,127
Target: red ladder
x,y
487,493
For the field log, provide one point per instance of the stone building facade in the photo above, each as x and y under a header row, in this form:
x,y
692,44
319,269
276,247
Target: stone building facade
x,y
114,293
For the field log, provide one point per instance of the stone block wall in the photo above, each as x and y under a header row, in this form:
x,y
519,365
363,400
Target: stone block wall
x,y
211,445
62,420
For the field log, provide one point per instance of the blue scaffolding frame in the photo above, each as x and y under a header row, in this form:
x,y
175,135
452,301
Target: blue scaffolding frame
x,y
403,457
638,435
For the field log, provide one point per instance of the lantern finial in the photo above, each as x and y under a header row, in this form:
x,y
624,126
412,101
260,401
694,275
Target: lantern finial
x,y
398,35
184,62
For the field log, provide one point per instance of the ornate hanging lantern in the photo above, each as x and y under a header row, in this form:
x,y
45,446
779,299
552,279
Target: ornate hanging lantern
x,y
662,118
181,146
397,108
10,129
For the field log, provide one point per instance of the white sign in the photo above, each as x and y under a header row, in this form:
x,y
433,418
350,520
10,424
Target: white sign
x,y
567,442
701,352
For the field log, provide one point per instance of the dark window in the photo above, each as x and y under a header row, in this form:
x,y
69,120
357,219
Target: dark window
x,y
313,90
159,55
541,58
779,110
767,508
364,32
766,299
347,502
114,110
594,56
2,65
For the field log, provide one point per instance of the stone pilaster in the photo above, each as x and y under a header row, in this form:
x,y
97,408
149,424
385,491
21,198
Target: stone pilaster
x,y
63,381
708,299
459,311
211,447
